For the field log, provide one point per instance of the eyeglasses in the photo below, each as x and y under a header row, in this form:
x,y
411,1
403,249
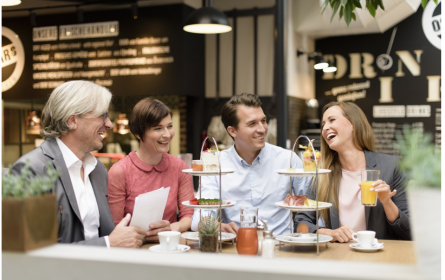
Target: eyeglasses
x,y
105,114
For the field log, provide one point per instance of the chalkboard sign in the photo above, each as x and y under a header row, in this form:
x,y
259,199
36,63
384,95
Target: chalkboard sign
x,y
150,55
395,81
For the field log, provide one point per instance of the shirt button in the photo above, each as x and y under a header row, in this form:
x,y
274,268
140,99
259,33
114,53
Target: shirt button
x,y
251,168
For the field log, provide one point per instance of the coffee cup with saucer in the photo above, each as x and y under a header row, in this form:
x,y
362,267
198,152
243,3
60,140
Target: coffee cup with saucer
x,y
169,243
366,241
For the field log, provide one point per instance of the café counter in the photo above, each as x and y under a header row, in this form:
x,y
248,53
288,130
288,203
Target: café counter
x,y
338,261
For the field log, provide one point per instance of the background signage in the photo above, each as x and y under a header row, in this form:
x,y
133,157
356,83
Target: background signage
x,y
151,55
393,88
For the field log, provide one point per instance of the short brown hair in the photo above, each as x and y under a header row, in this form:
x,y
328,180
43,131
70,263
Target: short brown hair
x,y
229,116
147,113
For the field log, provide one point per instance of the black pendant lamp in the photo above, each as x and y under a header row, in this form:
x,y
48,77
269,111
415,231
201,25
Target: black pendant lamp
x,y
207,20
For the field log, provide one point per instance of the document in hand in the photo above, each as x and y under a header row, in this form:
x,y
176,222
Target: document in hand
x,y
149,207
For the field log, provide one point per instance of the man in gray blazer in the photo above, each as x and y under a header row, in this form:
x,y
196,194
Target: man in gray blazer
x,y
74,121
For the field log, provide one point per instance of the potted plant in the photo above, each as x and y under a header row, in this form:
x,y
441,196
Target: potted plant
x,y
208,233
29,210
420,160
346,8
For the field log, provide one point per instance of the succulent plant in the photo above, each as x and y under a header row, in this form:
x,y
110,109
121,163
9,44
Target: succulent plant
x,y
26,184
420,158
209,224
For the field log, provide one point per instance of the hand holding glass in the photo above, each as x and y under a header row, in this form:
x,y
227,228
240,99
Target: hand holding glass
x,y
369,198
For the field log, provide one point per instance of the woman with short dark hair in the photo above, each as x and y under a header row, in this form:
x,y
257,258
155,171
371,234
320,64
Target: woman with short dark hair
x,y
151,168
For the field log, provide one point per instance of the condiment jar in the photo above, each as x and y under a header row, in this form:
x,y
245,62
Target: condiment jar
x,y
268,245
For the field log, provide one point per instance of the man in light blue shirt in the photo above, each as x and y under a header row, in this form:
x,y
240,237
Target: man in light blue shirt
x,y
254,182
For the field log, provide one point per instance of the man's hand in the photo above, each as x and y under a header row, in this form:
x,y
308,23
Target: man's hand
x,y
231,228
342,234
152,233
125,236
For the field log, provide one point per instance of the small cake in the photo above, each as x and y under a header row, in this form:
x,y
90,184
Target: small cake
x,y
210,160
308,158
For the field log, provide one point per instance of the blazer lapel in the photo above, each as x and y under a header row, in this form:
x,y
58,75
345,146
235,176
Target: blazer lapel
x,y
102,203
370,165
51,149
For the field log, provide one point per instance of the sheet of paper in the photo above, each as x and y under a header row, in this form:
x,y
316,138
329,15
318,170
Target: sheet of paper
x,y
149,207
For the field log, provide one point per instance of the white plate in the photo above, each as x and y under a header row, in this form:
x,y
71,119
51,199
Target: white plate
x,y
299,172
195,236
323,205
225,204
309,238
376,247
181,248
208,173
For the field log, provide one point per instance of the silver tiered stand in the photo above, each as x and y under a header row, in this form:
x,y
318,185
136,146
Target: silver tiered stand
x,y
220,198
315,183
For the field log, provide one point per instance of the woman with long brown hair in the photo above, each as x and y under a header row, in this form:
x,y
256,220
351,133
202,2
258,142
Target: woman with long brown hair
x,y
347,147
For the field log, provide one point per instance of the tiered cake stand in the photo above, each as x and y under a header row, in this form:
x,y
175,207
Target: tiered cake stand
x,y
220,172
302,173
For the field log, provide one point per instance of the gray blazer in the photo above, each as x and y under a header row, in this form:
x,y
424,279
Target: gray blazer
x,y
69,220
375,216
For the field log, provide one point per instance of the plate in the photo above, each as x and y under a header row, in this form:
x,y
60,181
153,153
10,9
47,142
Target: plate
x,y
376,247
195,236
208,173
299,172
323,205
181,248
308,238
225,204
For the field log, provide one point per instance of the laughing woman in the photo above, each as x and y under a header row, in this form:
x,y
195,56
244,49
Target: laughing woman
x,y
347,146
151,168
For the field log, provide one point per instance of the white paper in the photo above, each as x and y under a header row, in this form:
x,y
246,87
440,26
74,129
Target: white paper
x,y
149,207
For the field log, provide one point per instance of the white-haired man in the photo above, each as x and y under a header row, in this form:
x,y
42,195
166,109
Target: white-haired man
x,y
73,123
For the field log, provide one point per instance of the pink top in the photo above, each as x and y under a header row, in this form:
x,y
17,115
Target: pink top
x,y
131,177
351,210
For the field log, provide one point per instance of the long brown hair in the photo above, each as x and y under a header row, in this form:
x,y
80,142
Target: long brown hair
x,y
363,138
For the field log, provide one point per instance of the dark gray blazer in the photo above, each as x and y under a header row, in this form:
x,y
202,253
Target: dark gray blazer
x,y
375,216
70,223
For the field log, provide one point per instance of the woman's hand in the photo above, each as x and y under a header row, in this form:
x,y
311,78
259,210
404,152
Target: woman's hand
x,y
383,190
152,234
342,234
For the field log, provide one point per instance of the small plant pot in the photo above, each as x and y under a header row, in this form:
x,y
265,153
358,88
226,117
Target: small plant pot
x,y
208,243
29,223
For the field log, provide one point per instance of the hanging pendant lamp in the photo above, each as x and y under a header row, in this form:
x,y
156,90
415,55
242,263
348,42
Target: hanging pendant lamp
x,y
207,20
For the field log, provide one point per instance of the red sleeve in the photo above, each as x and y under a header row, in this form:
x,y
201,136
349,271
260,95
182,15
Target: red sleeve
x,y
185,192
116,192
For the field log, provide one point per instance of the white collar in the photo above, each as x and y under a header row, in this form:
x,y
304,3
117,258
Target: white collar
x,y
70,158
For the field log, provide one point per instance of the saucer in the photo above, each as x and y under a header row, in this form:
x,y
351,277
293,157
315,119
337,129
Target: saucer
x,y
375,247
181,248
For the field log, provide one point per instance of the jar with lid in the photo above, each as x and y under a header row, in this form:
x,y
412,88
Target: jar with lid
x,y
268,245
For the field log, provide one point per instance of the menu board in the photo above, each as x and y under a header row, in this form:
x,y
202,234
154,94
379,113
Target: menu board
x,y
129,56
395,82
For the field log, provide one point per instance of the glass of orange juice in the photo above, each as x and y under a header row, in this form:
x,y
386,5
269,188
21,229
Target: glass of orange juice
x,y
369,198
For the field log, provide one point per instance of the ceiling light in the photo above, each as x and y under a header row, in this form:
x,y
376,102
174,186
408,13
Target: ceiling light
x,y
121,126
207,20
320,63
11,2
330,68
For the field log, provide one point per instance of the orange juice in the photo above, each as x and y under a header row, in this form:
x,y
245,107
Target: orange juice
x,y
369,198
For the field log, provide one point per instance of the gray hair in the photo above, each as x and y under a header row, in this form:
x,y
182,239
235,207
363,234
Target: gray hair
x,y
72,98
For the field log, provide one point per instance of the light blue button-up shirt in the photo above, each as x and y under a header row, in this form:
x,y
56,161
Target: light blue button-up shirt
x,y
256,185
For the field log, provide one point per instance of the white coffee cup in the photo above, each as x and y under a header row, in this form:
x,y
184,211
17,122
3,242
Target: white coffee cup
x,y
365,238
169,240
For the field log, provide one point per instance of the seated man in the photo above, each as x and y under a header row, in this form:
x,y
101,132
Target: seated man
x,y
254,182
73,123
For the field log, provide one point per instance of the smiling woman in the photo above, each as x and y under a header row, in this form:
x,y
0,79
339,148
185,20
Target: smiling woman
x,y
150,168
347,147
